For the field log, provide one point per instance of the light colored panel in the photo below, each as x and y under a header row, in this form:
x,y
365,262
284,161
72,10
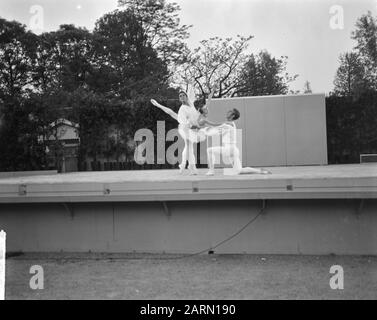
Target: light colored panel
x,y
306,129
138,227
279,130
286,227
54,227
265,131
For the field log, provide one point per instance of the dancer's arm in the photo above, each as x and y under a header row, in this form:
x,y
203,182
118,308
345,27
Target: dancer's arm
x,y
210,97
169,111
226,124
207,123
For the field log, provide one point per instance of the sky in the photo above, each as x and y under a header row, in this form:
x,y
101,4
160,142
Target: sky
x,y
312,33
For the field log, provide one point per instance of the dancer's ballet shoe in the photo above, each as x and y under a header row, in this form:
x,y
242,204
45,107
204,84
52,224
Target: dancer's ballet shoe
x,y
210,173
193,171
181,168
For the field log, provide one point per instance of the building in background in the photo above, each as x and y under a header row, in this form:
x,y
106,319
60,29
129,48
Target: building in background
x,y
62,145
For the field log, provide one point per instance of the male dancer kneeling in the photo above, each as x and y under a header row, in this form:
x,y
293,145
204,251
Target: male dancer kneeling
x,y
229,148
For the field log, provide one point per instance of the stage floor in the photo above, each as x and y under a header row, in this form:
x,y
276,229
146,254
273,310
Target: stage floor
x,y
300,182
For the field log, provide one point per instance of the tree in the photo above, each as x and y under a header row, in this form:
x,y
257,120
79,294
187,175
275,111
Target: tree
x,y
307,87
351,126
98,79
350,76
64,58
223,64
16,58
216,63
125,63
263,74
26,120
161,26
365,36
89,112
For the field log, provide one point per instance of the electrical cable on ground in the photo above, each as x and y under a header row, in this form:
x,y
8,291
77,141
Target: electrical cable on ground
x,y
221,242
262,210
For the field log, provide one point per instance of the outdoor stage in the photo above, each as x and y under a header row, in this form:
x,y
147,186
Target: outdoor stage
x,y
307,210
304,182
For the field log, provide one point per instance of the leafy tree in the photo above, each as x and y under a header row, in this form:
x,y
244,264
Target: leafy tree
x,y
17,57
100,80
223,64
216,63
88,111
125,63
307,88
263,74
64,58
160,23
25,124
350,76
365,36
351,126
357,72
351,108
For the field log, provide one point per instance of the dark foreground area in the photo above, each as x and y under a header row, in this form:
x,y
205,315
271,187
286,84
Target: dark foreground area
x,y
145,276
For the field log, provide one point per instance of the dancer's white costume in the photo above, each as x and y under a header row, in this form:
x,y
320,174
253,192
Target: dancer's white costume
x,y
186,117
230,152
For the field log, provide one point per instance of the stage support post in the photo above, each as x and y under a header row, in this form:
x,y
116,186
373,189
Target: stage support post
x,y
2,264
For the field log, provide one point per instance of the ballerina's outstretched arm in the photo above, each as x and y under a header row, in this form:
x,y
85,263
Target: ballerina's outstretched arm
x,y
206,122
169,111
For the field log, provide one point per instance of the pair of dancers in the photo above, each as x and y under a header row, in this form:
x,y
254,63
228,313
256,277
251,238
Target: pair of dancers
x,y
195,127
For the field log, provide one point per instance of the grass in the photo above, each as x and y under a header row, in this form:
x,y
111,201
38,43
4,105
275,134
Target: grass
x,y
146,276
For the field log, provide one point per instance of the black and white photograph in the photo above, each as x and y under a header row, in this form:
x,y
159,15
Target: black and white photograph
x,y
202,152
